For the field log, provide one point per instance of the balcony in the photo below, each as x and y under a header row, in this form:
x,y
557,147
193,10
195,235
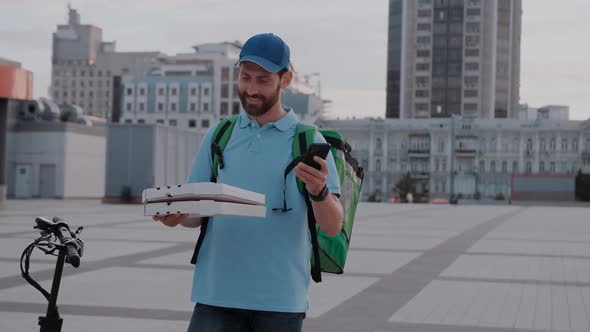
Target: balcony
x,y
465,153
420,175
419,153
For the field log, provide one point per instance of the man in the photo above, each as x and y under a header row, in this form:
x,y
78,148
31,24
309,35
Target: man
x,y
252,274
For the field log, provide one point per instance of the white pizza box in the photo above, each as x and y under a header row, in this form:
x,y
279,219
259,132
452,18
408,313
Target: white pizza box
x,y
205,208
202,191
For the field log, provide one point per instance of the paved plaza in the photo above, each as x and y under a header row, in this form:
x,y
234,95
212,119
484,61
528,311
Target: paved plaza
x,y
418,268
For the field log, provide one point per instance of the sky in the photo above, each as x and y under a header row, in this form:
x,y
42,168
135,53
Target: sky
x,y
343,40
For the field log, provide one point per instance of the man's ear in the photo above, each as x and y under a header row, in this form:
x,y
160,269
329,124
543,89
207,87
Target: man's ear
x,y
286,79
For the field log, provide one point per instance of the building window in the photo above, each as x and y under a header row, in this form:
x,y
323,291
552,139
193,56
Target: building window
x,y
422,93
471,52
472,27
173,91
473,12
161,91
141,121
424,13
205,123
472,66
515,166
423,53
129,91
141,106
552,145
128,121
193,91
470,93
173,107
471,41
142,92
575,145
552,167
82,72
482,166
444,165
193,107
493,166
236,108
541,167
422,66
223,111
224,91
564,144
160,121
471,81
529,167
192,123
128,107
422,106
225,74
206,92
206,107
542,145
421,81
504,166
436,165
172,122
424,26
470,107
160,107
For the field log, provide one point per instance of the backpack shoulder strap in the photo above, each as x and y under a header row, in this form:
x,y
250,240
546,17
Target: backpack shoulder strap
x,y
304,135
221,137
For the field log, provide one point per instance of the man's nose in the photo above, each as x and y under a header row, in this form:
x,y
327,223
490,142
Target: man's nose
x,y
252,89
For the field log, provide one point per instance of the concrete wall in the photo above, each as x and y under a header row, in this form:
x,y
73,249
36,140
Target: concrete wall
x,y
84,170
76,152
145,156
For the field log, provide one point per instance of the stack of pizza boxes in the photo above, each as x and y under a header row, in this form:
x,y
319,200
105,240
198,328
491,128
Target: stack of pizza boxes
x,y
203,199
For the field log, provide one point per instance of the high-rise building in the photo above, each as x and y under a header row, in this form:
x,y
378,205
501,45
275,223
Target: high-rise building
x,y
453,57
84,67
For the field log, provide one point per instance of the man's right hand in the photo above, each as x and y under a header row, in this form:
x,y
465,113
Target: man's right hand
x,y
170,220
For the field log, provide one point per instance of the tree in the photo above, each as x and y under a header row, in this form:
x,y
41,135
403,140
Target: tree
x,y
405,185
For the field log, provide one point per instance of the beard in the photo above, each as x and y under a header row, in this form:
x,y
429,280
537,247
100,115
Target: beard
x,y
262,105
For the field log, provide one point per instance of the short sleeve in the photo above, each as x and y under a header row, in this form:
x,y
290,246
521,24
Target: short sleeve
x,y
202,166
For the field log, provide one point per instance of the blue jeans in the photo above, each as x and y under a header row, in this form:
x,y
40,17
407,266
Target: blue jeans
x,y
208,318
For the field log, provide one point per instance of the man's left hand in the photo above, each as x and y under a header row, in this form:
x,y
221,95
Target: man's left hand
x,y
314,179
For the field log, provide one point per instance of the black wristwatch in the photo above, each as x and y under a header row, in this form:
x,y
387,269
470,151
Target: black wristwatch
x,y
321,196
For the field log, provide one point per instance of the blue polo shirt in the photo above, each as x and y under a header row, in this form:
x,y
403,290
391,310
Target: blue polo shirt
x,y
257,263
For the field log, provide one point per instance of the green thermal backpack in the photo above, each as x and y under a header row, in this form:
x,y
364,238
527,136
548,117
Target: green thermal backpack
x,y
329,251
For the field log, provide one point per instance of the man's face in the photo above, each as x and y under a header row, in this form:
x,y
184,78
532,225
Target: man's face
x,y
259,89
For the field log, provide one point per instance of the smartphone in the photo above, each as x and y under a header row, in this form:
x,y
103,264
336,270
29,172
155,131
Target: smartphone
x,y
316,149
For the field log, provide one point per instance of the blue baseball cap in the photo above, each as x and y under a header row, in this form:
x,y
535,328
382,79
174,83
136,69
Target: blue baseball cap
x,y
266,50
